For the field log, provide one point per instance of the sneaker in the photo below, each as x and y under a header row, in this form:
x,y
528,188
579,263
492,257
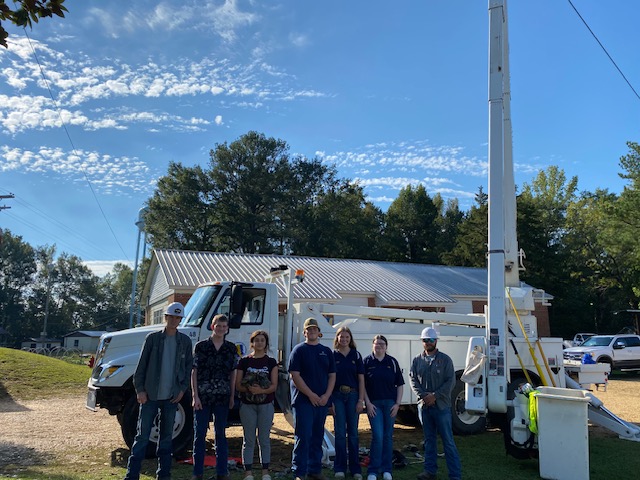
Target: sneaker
x,y
357,476
387,476
248,477
371,477
266,476
339,475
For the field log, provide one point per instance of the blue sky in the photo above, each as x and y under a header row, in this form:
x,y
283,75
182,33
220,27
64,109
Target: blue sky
x,y
392,93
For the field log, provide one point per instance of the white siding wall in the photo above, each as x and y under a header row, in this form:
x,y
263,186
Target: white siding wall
x,y
461,306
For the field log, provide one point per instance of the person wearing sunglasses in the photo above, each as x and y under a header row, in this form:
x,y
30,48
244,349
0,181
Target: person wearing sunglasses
x,y
432,380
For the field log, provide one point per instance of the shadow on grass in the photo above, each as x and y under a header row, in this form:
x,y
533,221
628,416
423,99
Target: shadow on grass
x,y
18,456
7,403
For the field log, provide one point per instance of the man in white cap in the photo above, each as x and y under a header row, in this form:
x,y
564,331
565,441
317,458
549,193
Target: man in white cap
x,y
161,380
313,376
432,379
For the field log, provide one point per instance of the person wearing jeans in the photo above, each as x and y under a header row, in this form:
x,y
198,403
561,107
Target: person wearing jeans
x,y
257,380
432,380
161,380
348,403
213,385
383,394
313,376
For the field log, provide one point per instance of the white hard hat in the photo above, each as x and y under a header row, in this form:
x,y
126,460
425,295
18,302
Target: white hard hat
x,y
176,309
429,332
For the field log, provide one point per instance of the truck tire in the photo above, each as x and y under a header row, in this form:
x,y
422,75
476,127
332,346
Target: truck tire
x,y
464,423
182,428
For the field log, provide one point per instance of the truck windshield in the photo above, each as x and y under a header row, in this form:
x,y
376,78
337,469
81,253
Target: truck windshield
x,y
199,304
597,342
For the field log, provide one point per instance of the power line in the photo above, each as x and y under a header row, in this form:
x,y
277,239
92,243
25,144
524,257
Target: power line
x,y
73,147
604,49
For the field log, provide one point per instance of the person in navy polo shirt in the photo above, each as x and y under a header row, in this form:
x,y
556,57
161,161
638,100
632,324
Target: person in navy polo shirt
x,y
313,375
383,393
348,403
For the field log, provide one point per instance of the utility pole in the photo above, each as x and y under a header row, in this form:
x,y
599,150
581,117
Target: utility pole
x,y
2,197
43,334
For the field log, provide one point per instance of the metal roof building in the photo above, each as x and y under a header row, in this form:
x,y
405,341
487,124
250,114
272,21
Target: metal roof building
x,y
175,274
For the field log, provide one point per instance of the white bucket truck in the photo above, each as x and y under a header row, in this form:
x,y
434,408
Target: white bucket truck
x,y
252,306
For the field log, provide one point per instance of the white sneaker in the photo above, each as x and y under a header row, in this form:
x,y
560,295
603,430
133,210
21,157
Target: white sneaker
x,y
339,475
387,476
357,476
371,477
266,476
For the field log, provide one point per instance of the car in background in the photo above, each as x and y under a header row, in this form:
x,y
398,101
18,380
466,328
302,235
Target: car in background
x,y
578,339
620,351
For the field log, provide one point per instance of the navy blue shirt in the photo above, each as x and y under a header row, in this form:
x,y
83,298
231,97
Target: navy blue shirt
x,y
314,363
382,377
348,368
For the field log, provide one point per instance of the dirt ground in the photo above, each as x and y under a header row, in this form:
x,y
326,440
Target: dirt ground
x,y
32,432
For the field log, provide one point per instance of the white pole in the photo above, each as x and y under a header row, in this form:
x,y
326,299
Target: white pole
x,y
496,314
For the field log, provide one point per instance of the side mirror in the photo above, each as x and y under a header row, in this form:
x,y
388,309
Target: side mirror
x,y
237,308
619,346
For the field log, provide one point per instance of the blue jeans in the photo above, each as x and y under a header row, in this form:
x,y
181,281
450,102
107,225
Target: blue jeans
x,y
146,416
346,429
381,452
201,419
309,434
438,421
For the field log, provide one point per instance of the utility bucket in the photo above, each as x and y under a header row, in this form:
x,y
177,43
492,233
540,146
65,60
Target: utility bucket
x,y
563,433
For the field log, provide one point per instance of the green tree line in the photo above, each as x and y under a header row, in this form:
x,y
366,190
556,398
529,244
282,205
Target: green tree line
x,y
78,299
253,196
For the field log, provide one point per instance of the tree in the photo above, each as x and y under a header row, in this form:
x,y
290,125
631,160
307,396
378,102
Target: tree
x,y
17,267
182,211
448,223
470,249
254,198
25,12
343,225
410,226
250,178
113,311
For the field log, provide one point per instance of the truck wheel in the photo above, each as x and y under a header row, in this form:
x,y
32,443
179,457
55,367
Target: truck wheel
x,y
464,423
182,427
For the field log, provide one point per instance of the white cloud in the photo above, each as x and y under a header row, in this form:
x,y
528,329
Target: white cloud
x,y
218,120
25,103
104,267
107,173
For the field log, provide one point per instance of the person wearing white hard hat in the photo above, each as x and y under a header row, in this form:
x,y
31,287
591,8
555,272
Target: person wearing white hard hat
x,y
160,380
432,380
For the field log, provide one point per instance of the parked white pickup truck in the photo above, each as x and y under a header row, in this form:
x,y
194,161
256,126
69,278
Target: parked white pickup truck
x,y
620,351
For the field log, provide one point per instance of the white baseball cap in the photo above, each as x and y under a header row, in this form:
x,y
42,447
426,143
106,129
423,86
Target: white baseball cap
x,y
176,309
429,332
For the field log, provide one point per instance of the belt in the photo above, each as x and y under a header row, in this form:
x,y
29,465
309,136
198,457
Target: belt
x,y
346,389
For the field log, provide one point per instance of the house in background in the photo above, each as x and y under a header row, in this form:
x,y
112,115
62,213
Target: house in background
x,y
40,342
175,274
84,340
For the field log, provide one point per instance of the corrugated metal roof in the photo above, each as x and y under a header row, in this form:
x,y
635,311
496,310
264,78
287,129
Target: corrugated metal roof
x,y
326,278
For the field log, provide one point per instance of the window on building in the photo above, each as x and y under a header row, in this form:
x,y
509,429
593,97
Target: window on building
x,y
76,343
